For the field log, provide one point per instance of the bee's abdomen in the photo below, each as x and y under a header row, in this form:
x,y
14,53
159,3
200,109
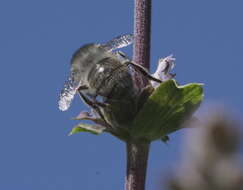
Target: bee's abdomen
x,y
115,84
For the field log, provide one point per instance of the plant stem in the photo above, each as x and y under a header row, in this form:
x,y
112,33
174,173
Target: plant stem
x,y
137,157
142,27
137,152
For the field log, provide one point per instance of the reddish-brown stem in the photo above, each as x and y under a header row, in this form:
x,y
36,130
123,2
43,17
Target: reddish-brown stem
x,y
142,27
137,157
137,152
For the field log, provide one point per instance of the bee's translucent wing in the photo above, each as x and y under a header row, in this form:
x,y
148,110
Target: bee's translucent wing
x,y
119,42
67,94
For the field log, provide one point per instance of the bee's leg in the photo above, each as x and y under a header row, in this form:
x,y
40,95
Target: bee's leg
x,y
143,71
87,100
92,104
101,104
83,87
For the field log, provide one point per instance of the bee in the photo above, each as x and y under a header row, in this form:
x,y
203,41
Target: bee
x,y
103,76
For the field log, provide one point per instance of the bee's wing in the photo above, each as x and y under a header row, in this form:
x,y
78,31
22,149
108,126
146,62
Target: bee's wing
x,y
119,42
67,94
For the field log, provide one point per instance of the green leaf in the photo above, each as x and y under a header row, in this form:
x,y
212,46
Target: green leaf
x,y
166,110
94,129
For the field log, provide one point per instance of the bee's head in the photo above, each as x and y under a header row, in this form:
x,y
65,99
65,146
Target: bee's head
x,y
88,54
85,58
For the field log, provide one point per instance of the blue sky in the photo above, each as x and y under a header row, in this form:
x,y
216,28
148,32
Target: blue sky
x,y
37,39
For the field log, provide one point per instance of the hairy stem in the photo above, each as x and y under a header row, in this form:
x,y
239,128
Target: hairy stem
x,y
137,152
142,27
137,157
